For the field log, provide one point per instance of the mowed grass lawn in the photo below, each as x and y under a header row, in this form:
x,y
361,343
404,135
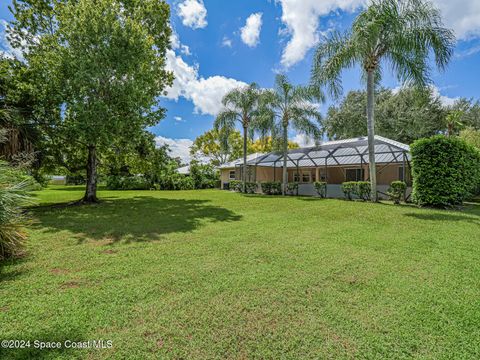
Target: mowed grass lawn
x,y
212,274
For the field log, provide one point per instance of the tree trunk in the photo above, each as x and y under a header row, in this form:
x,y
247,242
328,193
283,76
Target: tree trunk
x,y
371,133
91,190
244,175
285,153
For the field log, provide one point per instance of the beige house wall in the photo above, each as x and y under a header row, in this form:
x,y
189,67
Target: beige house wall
x,y
335,174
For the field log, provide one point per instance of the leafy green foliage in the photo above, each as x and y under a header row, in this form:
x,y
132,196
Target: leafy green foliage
x,y
363,190
101,65
13,195
321,188
407,115
471,136
118,182
445,170
220,146
250,187
204,176
397,191
236,185
348,189
271,187
292,188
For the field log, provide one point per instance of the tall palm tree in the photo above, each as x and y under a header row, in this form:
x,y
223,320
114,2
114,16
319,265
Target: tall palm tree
x,y
240,105
399,33
291,105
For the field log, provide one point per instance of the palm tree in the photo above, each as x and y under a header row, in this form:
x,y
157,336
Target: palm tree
x,y
291,105
453,120
240,105
399,33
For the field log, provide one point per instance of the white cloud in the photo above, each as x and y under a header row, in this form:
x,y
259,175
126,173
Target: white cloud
x,y
178,118
193,13
303,140
177,45
205,93
445,100
301,19
250,33
226,42
178,147
461,16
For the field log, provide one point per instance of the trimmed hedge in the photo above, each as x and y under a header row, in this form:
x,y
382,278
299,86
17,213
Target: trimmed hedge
x,y
237,185
446,171
397,191
348,189
271,187
250,187
321,187
292,188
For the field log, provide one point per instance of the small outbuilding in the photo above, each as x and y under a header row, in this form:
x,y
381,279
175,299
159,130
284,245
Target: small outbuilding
x,y
333,162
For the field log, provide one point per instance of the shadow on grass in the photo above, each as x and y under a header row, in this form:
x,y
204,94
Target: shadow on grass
x,y
471,218
141,218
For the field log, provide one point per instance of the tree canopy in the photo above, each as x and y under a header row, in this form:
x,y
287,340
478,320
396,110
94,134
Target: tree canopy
x,y
101,64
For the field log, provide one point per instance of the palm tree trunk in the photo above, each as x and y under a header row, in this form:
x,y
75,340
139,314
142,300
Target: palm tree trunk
x,y
285,153
371,133
91,190
244,175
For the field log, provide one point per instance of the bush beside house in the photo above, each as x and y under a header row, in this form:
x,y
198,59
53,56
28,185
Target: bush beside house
x,y
446,171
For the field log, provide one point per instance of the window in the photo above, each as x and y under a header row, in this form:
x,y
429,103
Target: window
x,y
306,177
231,175
296,177
354,174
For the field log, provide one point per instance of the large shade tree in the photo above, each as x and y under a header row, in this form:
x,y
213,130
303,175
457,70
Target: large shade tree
x,y
102,63
398,33
293,106
242,106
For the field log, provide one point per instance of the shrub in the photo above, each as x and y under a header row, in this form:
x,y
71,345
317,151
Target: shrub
x,y
13,187
204,175
236,185
75,179
348,189
363,190
397,191
445,170
250,187
271,187
131,182
292,188
321,187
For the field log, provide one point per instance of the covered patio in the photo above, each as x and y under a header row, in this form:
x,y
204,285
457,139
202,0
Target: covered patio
x,y
333,162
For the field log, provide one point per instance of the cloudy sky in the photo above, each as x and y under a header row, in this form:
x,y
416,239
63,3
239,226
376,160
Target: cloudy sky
x,y
219,45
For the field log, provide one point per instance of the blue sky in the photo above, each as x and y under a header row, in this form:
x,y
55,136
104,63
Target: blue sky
x,y
222,44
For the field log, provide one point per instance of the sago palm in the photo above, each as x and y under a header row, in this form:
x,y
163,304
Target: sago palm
x,y
398,33
240,105
293,106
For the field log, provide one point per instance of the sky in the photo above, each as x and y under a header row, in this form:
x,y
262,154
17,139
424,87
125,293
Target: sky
x,y
219,45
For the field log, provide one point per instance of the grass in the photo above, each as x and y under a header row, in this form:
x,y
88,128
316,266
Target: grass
x,y
211,274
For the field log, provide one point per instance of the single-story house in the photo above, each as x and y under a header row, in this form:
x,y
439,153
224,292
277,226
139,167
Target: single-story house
x,y
333,162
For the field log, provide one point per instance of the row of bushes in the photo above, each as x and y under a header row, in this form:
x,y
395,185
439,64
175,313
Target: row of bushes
x,y
140,182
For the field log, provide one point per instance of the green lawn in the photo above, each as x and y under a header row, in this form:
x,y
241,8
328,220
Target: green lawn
x,y
211,274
